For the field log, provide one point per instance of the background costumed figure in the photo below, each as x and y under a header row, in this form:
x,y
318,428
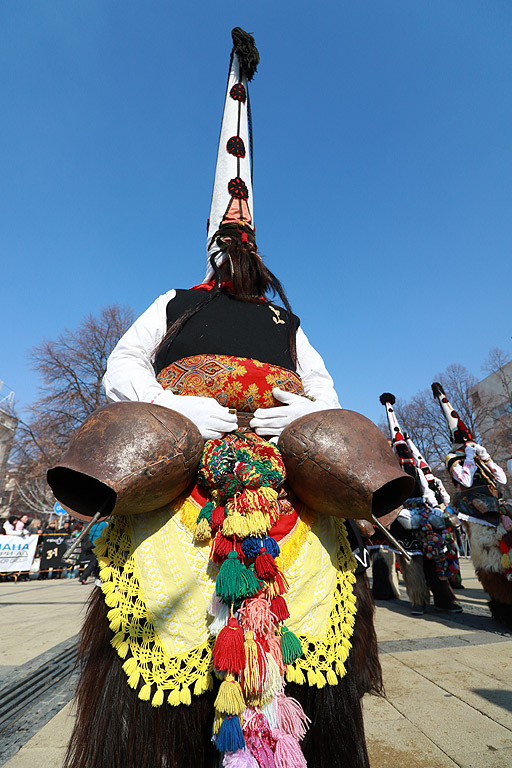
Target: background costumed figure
x,y
421,529
439,502
486,516
226,622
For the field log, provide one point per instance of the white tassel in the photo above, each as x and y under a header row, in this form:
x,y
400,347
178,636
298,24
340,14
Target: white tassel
x,y
220,613
274,681
270,712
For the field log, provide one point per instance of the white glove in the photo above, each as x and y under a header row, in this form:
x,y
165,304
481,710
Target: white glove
x,y
470,451
272,421
211,418
481,452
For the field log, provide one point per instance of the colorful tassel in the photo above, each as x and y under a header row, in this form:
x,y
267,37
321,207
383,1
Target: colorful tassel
x,y
218,516
251,583
220,612
229,583
240,759
265,565
251,546
274,648
256,615
255,666
291,717
203,530
236,525
288,753
273,681
145,692
229,649
222,546
279,608
230,699
290,646
158,698
271,546
230,737
279,585
174,698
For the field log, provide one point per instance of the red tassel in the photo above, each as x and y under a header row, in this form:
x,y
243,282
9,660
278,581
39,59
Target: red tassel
x,y
279,608
265,565
279,585
229,649
222,546
218,515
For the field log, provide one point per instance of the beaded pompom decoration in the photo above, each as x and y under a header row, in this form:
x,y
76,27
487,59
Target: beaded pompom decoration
x,y
254,722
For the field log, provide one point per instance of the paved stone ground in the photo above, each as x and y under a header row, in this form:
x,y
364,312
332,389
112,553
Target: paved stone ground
x,y
448,678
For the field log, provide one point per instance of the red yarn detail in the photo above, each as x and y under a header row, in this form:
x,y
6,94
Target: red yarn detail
x,y
229,649
279,608
279,586
265,565
218,516
222,546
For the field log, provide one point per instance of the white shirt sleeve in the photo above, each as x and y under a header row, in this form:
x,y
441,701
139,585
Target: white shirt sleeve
x,y
464,473
315,378
130,374
497,471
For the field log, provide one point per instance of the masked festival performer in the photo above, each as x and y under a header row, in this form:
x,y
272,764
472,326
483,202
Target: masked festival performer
x,y
439,499
234,576
421,530
486,516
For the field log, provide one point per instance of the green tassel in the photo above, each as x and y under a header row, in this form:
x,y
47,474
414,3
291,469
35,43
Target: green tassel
x,y
290,646
206,512
251,584
230,582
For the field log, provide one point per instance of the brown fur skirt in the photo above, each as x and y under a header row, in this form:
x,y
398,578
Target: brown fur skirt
x,y
115,729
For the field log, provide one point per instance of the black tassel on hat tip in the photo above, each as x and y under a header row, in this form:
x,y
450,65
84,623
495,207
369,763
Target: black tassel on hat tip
x,y
387,397
245,48
437,389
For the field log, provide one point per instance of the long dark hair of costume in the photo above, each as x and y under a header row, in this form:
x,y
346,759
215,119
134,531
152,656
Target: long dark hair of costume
x,y
251,280
115,729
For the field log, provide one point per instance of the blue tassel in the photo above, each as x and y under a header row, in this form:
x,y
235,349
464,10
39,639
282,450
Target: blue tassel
x,y
271,546
230,737
251,546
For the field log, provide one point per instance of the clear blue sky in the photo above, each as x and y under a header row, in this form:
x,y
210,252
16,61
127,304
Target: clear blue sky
x,y
382,171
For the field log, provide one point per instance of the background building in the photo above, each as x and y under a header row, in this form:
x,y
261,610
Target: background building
x,y
493,397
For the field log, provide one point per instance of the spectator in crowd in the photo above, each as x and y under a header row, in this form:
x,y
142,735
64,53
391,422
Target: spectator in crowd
x,y
88,545
9,525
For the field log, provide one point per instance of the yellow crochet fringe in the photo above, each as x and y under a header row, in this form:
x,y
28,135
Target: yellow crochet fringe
x,y
152,671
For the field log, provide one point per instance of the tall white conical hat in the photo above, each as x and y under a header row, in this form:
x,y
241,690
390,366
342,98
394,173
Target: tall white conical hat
x,y
398,443
232,200
458,430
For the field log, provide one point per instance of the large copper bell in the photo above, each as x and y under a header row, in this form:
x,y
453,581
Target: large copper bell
x,y
127,458
339,463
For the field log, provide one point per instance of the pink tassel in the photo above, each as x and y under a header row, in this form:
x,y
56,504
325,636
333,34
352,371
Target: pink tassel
x,y
288,753
274,648
263,755
291,717
255,614
240,759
